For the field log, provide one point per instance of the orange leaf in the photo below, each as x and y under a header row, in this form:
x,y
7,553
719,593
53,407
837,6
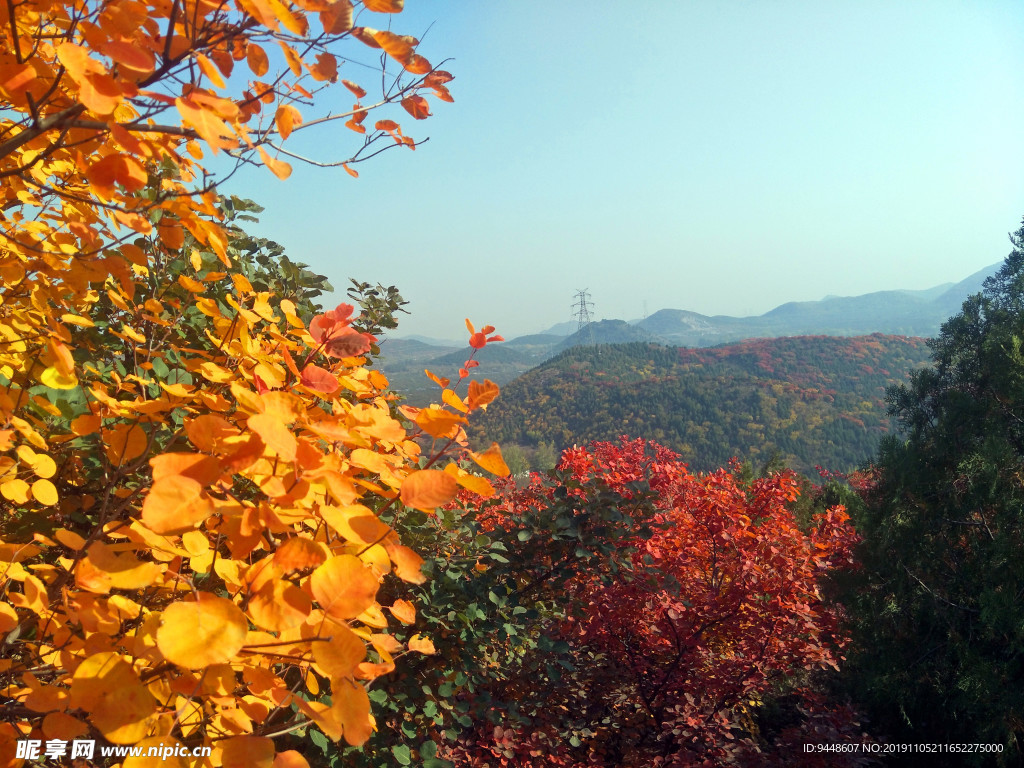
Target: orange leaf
x,y
287,118
482,394
417,106
298,554
440,381
75,59
340,656
474,483
212,433
421,644
257,58
103,570
427,489
352,706
337,19
491,460
404,611
384,6
118,704
437,423
293,59
202,468
407,563
398,47
210,70
344,587
275,434
279,605
320,380
130,56
194,635
175,503
417,65
247,752
326,67
359,92
210,127
117,169
290,759
279,168
125,442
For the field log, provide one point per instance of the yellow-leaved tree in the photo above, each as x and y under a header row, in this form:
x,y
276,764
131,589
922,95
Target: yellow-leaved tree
x,y
193,466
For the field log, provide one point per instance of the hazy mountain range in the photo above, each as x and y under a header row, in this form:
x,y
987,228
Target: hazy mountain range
x,y
897,312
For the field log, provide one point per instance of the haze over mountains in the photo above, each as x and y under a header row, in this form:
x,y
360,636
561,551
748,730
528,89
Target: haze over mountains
x,y
896,312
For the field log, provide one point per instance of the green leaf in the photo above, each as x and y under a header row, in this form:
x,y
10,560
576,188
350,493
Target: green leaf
x,y
402,754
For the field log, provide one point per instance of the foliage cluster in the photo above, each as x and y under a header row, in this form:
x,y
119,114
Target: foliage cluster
x,y
194,458
811,400
939,625
635,614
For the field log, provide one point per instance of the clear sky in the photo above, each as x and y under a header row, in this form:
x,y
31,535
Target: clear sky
x,y
720,157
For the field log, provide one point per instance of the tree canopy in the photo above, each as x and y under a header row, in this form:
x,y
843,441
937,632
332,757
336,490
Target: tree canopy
x,y
938,611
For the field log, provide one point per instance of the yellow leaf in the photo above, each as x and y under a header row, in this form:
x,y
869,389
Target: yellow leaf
x,y
454,401
421,644
15,490
198,634
279,168
491,460
355,523
165,747
103,570
344,587
78,320
191,285
45,492
114,699
54,379
210,70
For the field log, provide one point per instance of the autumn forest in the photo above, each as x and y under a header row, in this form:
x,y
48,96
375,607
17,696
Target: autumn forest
x,y
228,541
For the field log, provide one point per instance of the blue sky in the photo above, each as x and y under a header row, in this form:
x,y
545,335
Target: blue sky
x,y
721,157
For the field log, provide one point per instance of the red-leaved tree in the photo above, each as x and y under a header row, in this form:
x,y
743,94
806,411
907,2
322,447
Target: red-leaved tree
x,y
675,661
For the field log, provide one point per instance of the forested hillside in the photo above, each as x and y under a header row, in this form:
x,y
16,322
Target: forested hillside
x,y
810,400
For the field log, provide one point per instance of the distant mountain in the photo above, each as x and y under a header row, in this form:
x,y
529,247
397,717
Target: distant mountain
x,y
908,313
431,340
897,312
607,332
807,400
563,329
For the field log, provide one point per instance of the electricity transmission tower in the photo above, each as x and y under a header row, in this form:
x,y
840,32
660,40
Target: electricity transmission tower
x,y
581,310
